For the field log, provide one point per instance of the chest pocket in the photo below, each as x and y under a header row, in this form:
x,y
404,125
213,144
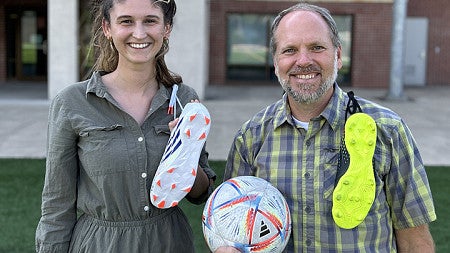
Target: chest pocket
x,y
330,159
162,129
103,150
157,140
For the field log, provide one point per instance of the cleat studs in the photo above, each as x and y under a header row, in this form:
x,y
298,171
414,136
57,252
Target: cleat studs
x,y
162,204
203,136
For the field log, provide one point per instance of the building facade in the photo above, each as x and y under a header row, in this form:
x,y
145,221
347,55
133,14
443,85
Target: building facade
x,y
228,41
365,26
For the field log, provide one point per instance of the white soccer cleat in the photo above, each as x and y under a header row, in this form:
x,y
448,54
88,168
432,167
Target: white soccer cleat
x,y
178,167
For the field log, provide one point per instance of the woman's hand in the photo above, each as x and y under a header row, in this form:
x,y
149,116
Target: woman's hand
x,y
173,124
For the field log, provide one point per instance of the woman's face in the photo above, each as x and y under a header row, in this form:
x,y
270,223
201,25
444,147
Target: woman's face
x,y
137,29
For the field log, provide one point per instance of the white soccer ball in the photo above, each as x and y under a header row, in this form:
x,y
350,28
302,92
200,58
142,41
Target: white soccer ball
x,y
247,213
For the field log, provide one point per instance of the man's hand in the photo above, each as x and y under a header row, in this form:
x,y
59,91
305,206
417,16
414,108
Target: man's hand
x,y
226,249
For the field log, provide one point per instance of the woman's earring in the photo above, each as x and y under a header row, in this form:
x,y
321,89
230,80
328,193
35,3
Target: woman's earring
x,y
165,44
111,45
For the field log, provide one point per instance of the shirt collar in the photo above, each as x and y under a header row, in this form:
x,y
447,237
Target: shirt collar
x,y
333,112
96,86
283,112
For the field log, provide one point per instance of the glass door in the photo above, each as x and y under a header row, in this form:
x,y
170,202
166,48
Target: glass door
x,y
27,44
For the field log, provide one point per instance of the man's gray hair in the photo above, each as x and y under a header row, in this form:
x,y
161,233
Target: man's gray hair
x,y
324,13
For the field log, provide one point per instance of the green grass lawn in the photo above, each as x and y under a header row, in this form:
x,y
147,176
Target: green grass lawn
x,y
21,182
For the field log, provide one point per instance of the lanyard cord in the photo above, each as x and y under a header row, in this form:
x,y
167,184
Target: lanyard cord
x,y
173,102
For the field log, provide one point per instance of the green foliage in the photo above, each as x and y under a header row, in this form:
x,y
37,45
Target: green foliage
x,y
21,182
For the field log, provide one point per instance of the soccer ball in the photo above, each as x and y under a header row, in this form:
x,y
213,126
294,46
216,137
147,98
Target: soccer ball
x,y
247,213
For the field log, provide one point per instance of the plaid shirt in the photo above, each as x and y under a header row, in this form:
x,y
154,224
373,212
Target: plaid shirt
x,y
302,164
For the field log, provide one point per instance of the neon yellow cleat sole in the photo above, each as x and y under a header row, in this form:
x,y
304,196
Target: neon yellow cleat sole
x,y
354,193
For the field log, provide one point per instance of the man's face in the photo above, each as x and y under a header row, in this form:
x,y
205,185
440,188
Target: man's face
x,y
306,62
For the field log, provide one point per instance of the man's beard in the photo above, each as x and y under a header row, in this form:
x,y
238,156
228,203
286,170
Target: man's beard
x,y
308,98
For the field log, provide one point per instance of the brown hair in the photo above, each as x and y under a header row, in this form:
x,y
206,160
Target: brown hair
x,y
106,53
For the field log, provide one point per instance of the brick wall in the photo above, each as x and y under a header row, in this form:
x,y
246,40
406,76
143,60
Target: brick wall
x,y
438,53
372,25
371,31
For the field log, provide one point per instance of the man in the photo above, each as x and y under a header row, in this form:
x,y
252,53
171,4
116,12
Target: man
x,y
348,168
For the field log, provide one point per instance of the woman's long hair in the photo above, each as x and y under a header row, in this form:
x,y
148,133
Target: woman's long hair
x,y
106,54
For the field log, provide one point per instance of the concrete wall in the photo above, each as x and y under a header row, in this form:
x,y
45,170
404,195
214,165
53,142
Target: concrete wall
x,y
188,54
63,45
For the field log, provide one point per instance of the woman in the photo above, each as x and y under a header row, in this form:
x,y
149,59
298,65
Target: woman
x,y
107,136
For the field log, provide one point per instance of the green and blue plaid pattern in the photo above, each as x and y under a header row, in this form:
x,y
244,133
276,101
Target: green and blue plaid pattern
x,y
302,164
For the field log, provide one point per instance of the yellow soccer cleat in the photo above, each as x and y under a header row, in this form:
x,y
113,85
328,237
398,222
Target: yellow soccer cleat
x,y
354,193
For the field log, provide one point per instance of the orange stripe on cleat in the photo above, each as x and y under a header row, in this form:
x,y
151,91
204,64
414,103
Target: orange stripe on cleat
x,y
192,117
188,132
207,120
162,204
203,136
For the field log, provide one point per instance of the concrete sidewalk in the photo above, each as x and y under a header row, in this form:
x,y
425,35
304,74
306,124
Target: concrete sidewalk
x,y
23,117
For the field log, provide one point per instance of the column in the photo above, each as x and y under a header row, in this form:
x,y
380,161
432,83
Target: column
x,y
189,41
62,42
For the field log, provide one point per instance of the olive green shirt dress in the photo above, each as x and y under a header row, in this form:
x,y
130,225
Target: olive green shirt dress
x,y
100,166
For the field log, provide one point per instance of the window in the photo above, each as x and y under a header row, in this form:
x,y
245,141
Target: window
x,y
344,25
248,56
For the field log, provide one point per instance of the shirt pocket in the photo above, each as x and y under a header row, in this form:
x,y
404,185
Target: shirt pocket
x,y
382,162
103,150
328,175
156,140
162,129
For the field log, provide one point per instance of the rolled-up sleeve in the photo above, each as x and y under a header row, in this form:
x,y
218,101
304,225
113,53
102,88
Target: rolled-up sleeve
x,y
407,189
59,194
